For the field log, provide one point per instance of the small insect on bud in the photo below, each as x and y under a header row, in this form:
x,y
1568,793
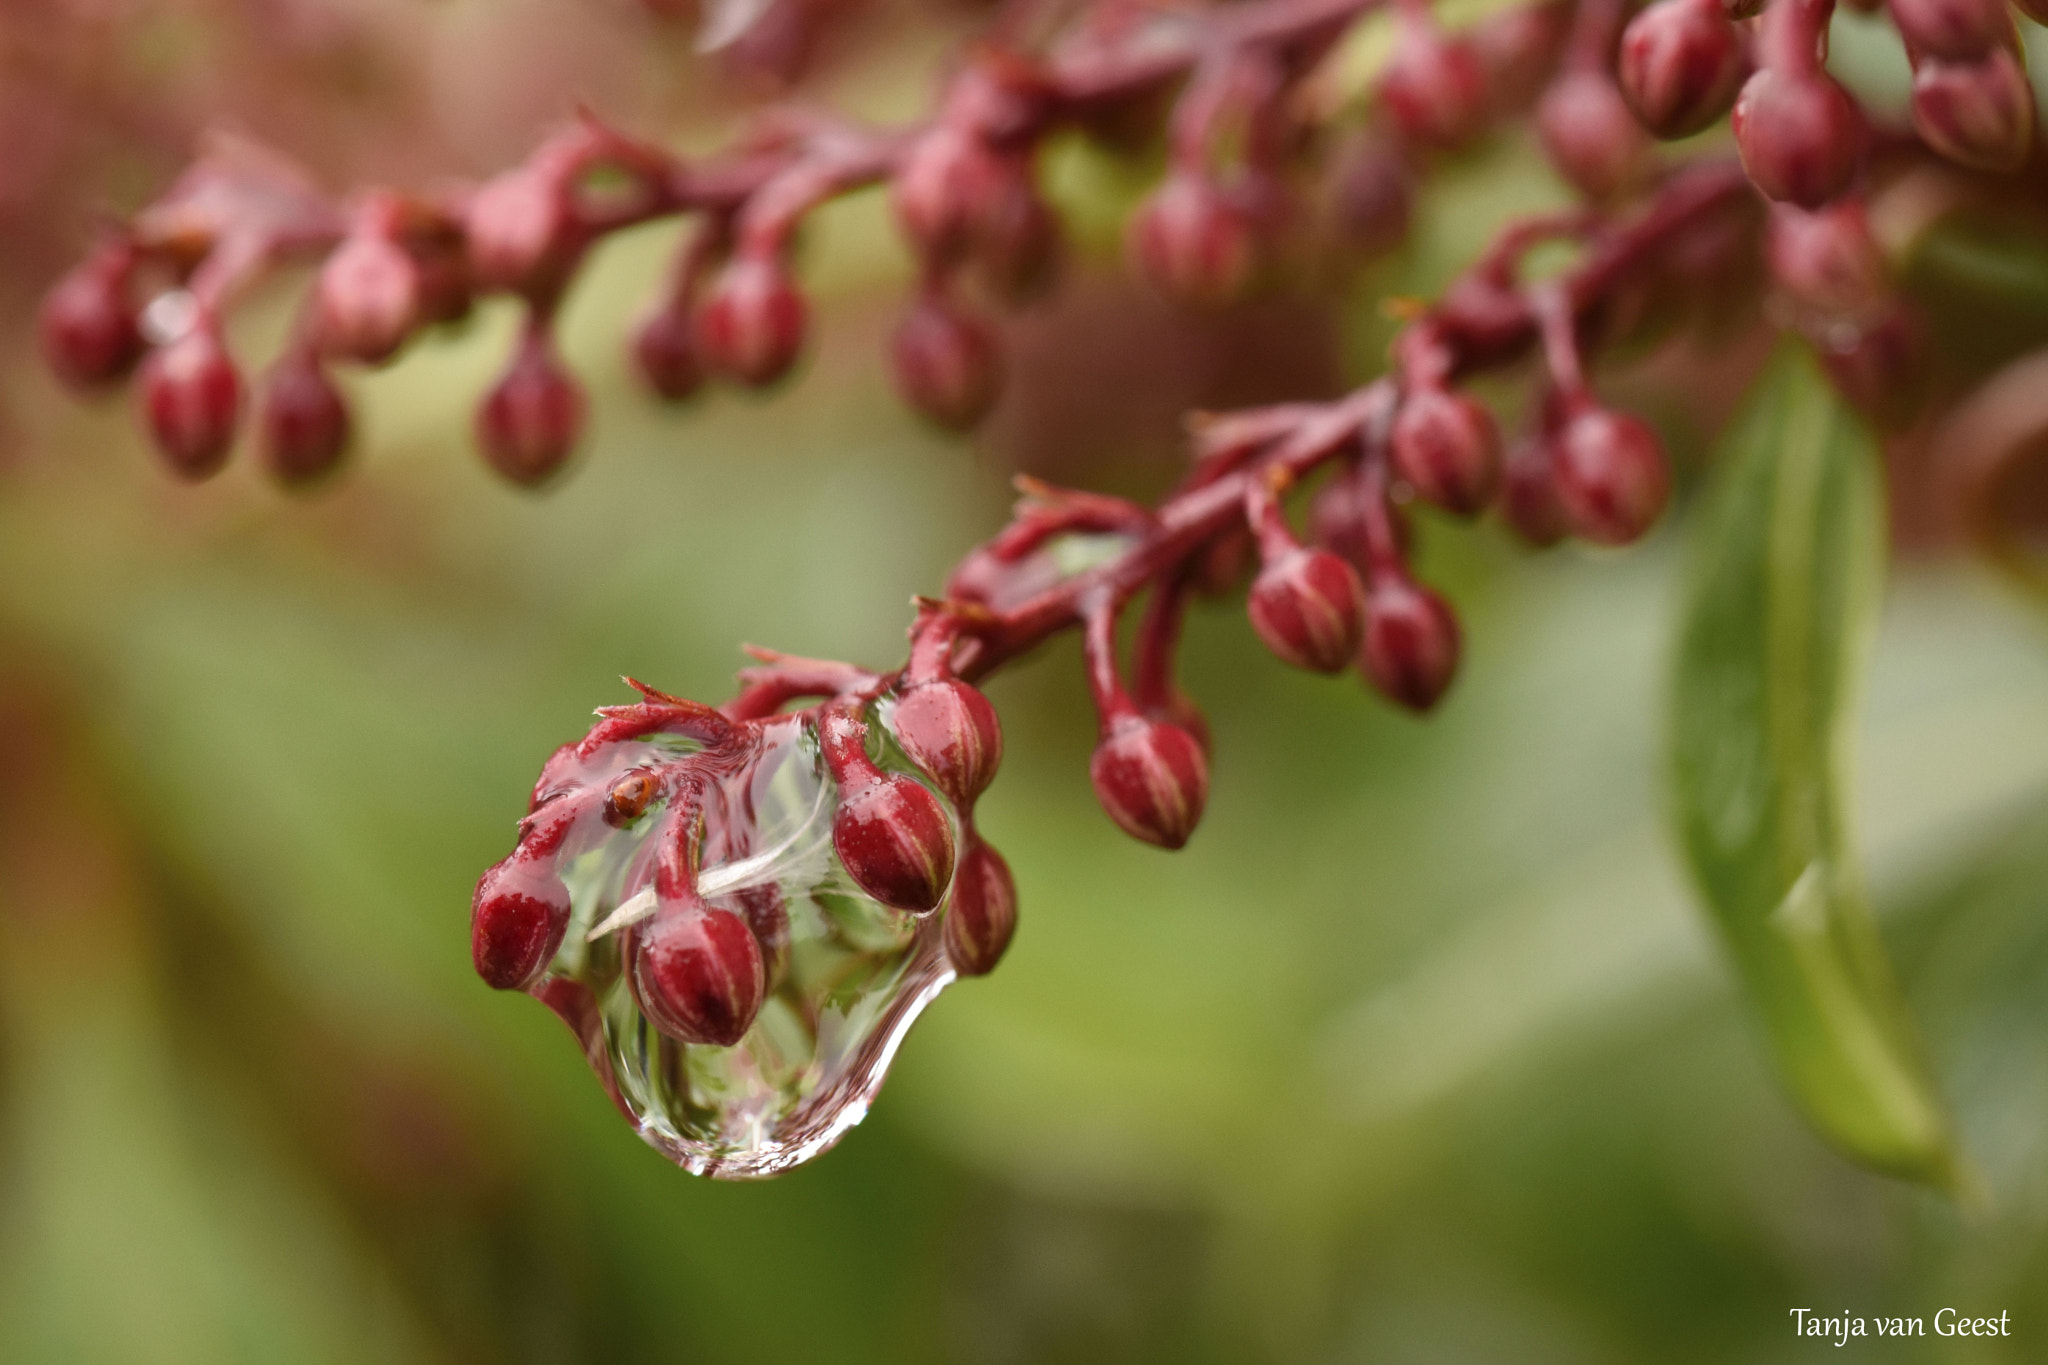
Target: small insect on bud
x,y
1411,641
1978,112
1956,30
1447,446
1308,607
1826,259
192,394
519,232
87,326
698,974
895,840
1152,778
665,352
946,364
516,923
1192,243
1800,135
369,299
751,326
630,796
948,729
982,916
529,422
1612,480
1528,496
1590,135
302,424
1680,64
1434,88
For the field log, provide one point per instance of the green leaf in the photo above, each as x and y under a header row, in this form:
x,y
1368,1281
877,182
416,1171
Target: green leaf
x,y
1781,607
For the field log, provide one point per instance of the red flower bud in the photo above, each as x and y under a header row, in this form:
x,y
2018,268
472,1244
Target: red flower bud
x,y
1018,248
768,916
1799,134
1590,135
520,236
896,843
751,327
1517,49
982,915
1309,609
1826,259
946,364
948,729
302,424
1876,365
516,923
665,350
1434,88
698,974
1611,476
1679,65
1977,113
530,420
1373,199
87,326
1152,779
369,297
1448,447
193,396
1957,30
1411,641
1529,502
1193,243
942,190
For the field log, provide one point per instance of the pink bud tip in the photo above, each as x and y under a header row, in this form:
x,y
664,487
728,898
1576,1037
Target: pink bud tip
x,y
946,364
1447,446
1309,609
1193,244
87,328
192,394
1411,641
1434,88
982,916
665,352
751,327
1800,135
1680,64
530,420
895,841
518,231
949,729
516,923
698,974
1152,779
1956,30
301,421
1590,134
369,298
1611,476
1976,112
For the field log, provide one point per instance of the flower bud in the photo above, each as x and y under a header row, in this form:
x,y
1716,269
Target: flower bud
x,y
1373,199
949,730
1411,641
1977,113
946,364
193,396
1018,248
1152,779
302,424
516,923
1611,477
751,327
1517,49
1877,365
1447,447
1799,134
87,327
1590,135
1434,88
895,840
941,190
1528,498
698,974
767,914
519,233
1193,243
1826,259
1956,30
369,296
529,422
665,351
1680,63
1308,607
982,916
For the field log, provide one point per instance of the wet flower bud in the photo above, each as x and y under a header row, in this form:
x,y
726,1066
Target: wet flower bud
x,y
1590,135
946,364
368,296
1309,609
1826,259
1447,447
1411,641
192,394
1611,476
698,974
751,326
1434,88
87,327
665,351
1192,243
982,916
302,424
1977,113
519,232
1152,778
1800,135
1528,497
530,420
516,923
948,729
1954,29
1680,64
896,843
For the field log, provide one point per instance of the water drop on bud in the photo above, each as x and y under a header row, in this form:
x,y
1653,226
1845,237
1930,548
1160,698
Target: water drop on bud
x,y
1152,778
1308,607
1192,243
1954,29
529,422
518,233
1826,259
368,296
1528,499
949,729
751,326
1447,446
1590,135
1411,641
665,351
192,394
1434,88
894,839
87,327
946,364
516,923
698,974
302,424
982,916
1800,135
1680,63
1611,476
1977,113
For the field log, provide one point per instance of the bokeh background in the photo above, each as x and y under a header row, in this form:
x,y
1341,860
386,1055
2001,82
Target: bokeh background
x,y
1419,1053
